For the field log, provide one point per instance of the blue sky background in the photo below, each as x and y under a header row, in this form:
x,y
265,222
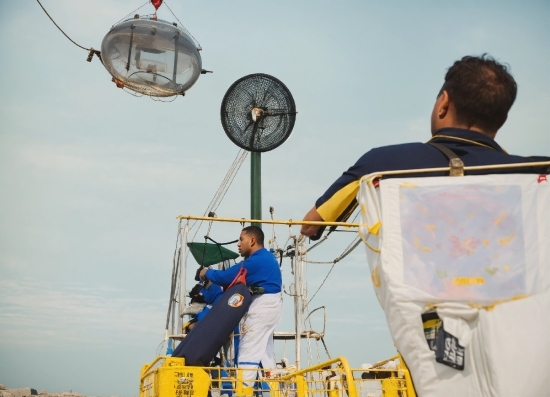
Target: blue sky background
x,y
91,178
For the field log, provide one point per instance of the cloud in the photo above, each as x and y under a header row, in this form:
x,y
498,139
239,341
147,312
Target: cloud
x,y
129,165
35,313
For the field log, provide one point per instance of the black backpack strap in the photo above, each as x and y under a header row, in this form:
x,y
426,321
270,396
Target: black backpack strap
x,y
455,163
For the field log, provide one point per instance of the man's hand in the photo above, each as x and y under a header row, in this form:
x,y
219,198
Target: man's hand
x,y
202,274
197,274
311,230
195,290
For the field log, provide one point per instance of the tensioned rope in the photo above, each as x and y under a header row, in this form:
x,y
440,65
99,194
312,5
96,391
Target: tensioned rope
x,y
183,27
346,252
325,237
224,187
212,206
91,50
61,30
175,269
133,12
220,193
238,166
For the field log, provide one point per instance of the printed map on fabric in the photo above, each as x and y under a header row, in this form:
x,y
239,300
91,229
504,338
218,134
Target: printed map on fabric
x,y
463,243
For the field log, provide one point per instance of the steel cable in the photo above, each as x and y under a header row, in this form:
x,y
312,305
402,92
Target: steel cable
x,y
61,30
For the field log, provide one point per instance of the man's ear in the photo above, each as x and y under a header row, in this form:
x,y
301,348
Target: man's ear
x,y
252,241
443,105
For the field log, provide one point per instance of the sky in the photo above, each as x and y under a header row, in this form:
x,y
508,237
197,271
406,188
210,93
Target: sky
x,y
92,179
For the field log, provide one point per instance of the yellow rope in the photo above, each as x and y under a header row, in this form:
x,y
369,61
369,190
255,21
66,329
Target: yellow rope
x,y
367,244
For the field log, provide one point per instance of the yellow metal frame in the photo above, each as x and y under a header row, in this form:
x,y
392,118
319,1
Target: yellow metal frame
x,y
169,377
290,222
375,175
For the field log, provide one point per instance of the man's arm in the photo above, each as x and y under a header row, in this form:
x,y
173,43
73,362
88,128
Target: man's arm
x,y
311,230
221,277
338,202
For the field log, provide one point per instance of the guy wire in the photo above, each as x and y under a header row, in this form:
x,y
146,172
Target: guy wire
x,y
224,186
61,30
181,24
137,9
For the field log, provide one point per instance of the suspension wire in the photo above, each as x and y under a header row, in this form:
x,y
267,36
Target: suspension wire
x,y
307,320
184,28
273,240
326,348
131,93
61,30
318,289
220,193
223,184
137,9
346,252
325,237
238,167
354,244
224,187
175,267
157,99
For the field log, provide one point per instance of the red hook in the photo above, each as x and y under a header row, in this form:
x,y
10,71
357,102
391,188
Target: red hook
x,y
156,4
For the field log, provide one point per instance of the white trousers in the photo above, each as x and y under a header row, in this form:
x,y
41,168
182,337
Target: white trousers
x,y
257,328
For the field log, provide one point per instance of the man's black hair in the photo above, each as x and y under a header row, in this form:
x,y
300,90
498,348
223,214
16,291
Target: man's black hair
x,y
255,232
481,90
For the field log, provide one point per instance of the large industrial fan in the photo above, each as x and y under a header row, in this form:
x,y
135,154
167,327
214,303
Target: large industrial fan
x,y
258,114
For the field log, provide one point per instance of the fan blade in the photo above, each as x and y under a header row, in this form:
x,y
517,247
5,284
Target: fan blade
x,y
277,112
267,91
248,125
252,98
253,135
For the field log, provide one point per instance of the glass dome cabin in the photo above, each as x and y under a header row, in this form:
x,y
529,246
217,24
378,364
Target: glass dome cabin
x,y
152,57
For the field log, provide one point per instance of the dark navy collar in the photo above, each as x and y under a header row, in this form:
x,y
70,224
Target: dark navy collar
x,y
466,137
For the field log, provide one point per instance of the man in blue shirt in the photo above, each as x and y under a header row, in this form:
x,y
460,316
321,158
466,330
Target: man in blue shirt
x,y
266,309
470,108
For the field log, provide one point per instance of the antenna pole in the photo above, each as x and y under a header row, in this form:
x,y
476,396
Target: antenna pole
x,y
256,186
298,302
183,276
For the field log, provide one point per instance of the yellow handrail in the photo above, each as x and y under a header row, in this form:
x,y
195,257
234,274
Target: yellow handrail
x,y
407,374
375,175
156,360
268,221
352,390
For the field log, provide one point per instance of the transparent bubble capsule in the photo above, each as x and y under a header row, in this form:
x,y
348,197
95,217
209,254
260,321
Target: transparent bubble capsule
x,y
151,57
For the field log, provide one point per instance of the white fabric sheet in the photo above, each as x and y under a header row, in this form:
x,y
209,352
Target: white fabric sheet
x,y
477,250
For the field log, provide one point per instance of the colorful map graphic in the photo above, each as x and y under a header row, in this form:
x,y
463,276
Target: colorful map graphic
x,y
465,242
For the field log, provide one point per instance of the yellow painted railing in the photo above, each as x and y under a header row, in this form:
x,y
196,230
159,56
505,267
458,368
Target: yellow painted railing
x,y
169,377
290,222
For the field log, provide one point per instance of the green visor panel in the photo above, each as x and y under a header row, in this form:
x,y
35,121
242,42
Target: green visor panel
x,y
207,254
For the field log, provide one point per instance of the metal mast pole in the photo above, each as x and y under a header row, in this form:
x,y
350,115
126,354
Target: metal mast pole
x,y
256,187
298,304
183,276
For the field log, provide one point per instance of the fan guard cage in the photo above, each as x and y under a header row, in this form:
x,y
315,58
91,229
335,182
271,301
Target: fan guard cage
x,y
263,92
